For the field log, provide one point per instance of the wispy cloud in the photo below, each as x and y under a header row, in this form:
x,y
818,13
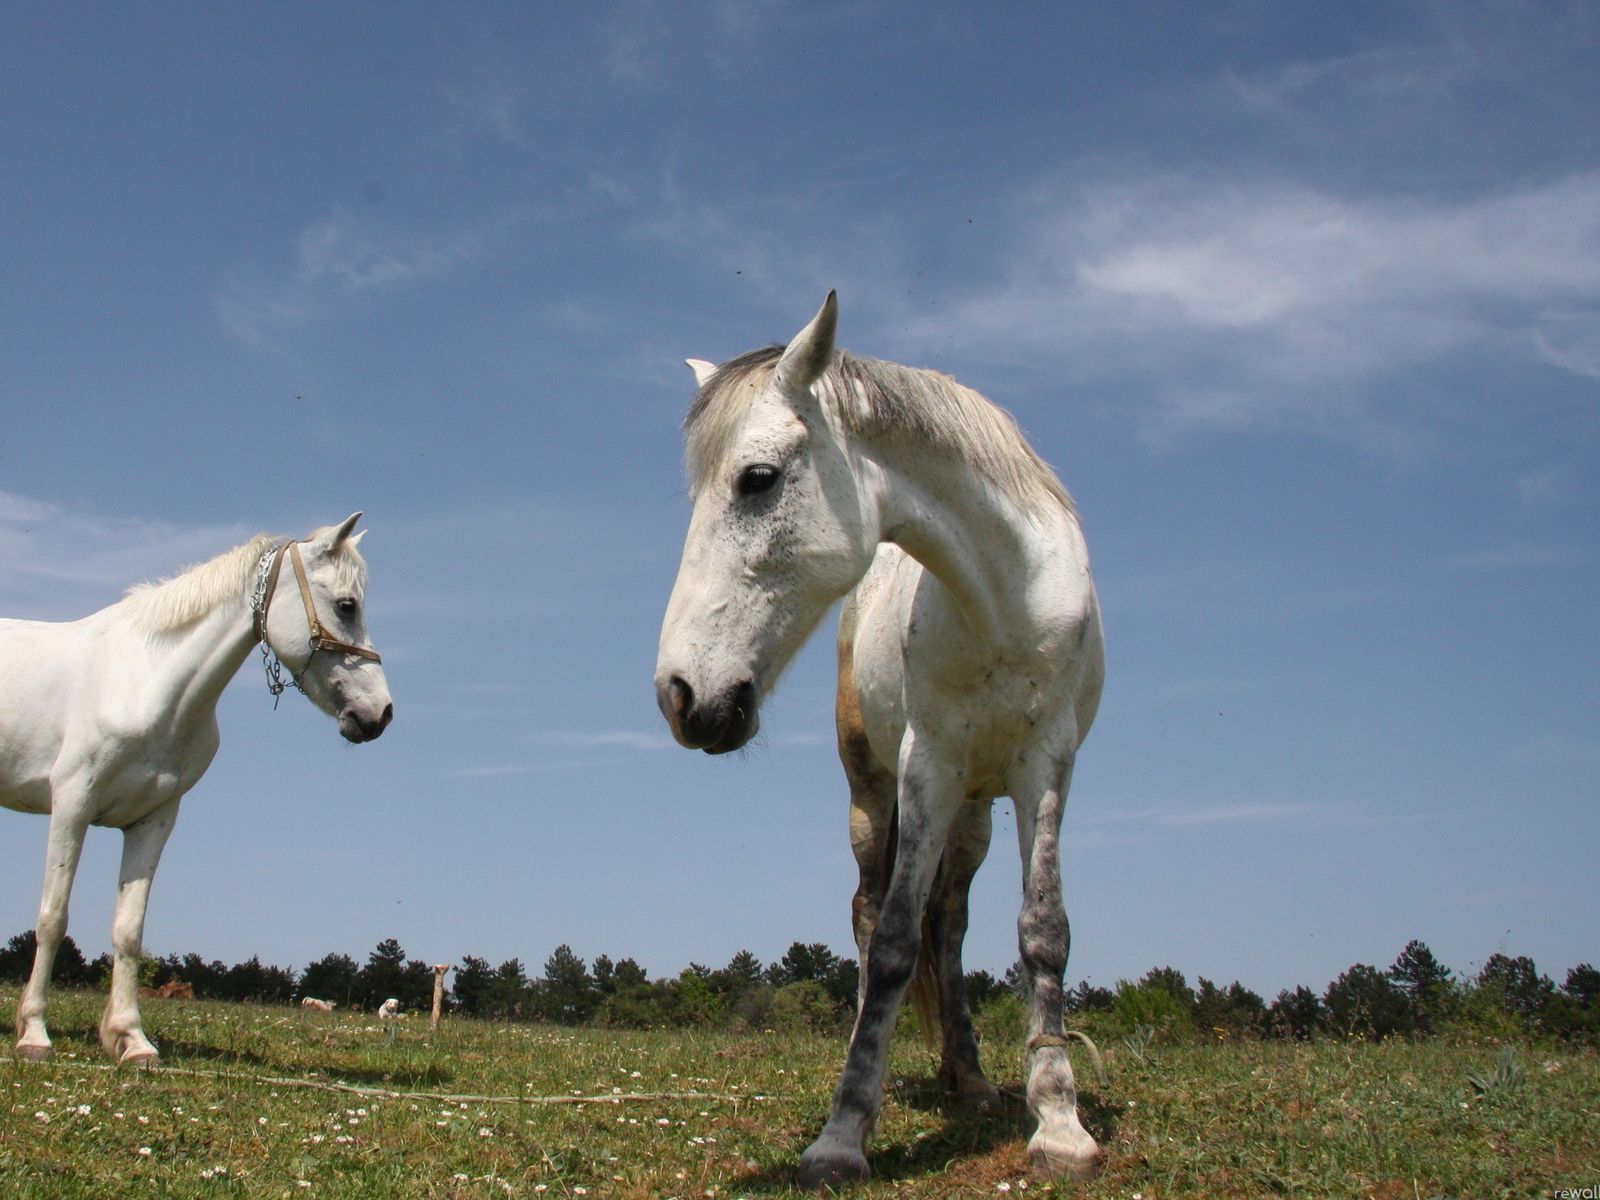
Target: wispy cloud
x,y
62,563
1271,300
1387,75
647,42
339,261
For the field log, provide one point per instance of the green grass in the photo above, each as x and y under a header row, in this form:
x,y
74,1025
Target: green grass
x,y
696,1115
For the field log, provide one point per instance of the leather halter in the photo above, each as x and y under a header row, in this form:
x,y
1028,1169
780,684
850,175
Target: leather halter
x,y
321,639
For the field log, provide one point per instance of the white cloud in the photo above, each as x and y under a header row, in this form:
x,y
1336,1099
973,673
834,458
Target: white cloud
x,y
62,564
1271,302
1571,341
344,258
648,42
1386,75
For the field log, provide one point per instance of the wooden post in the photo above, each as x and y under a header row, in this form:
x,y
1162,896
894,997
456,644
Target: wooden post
x,y
439,971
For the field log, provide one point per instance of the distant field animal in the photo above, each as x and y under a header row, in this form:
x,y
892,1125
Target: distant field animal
x,y
111,719
312,1004
389,1010
970,666
172,989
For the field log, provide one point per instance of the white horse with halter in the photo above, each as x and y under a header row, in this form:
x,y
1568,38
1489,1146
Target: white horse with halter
x,y
111,719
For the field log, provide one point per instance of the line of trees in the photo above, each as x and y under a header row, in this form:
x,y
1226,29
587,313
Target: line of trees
x,y
1415,996
811,987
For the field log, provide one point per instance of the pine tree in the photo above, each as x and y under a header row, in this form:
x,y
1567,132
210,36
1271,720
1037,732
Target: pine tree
x,y
567,994
1583,985
1364,1001
333,977
1425,982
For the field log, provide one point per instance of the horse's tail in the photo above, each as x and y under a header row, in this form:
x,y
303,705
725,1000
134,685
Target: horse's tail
x,y
926,997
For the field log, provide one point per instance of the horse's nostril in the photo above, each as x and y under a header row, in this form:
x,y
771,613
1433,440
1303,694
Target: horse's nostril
x,y
388,715
680,695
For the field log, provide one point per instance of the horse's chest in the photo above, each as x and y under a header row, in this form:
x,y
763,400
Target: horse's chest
x,y
986,727
147,774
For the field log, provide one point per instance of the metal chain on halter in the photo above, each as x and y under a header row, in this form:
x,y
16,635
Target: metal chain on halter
x,y
269,657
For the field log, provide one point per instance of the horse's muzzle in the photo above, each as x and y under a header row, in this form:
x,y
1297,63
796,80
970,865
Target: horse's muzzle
x,y
364,727
716,725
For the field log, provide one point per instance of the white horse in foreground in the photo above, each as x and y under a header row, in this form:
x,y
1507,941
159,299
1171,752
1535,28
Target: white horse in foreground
x,y
111,719
970,666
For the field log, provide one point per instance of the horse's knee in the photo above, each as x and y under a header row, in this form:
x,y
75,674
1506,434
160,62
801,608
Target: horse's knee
x,y
1044,939
51,928
892,962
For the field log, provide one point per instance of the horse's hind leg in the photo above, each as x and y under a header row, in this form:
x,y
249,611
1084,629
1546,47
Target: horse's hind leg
x,y
947,929
63,847
121,1028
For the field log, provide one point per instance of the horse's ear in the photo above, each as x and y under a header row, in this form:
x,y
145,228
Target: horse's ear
x,y
809,354
342,531
703,370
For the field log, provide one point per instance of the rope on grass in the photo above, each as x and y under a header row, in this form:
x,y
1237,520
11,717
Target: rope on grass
x,y
458,1098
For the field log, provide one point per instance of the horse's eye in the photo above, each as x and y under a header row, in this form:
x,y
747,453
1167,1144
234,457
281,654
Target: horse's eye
x,y
757,479
346,606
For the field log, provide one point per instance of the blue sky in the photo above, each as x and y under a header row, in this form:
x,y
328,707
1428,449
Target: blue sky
x,y
1303,302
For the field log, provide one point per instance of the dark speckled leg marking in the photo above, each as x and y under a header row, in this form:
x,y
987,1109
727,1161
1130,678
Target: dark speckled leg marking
x,y
838,1155
1060,1145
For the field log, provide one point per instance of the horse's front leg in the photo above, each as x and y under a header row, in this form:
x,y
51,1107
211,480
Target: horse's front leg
x,y
929,798
121,1028
63,847
1060,1145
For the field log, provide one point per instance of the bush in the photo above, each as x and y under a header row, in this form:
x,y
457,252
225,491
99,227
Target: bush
x,y
1002,1020
803,1006
1152,1005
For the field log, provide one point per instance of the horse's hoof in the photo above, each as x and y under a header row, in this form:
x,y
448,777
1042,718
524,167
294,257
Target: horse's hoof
x,y
1076,1159
140,1058
978,1096
832,1169
31,1053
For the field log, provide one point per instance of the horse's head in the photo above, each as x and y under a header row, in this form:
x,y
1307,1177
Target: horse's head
x,y
783,525
314,622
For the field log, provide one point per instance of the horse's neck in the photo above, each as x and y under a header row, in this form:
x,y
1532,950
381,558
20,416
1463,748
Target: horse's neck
x,y
1012,572
197,662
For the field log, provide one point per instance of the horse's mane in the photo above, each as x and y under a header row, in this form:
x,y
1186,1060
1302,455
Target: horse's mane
x,y
872,397
172,604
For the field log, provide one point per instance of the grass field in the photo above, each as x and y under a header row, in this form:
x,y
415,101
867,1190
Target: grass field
x,y
250,1102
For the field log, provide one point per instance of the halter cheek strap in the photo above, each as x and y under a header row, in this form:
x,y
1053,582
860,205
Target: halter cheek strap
x,y
321,639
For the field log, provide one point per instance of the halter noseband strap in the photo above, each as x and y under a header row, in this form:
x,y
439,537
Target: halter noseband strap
x,y
321,639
